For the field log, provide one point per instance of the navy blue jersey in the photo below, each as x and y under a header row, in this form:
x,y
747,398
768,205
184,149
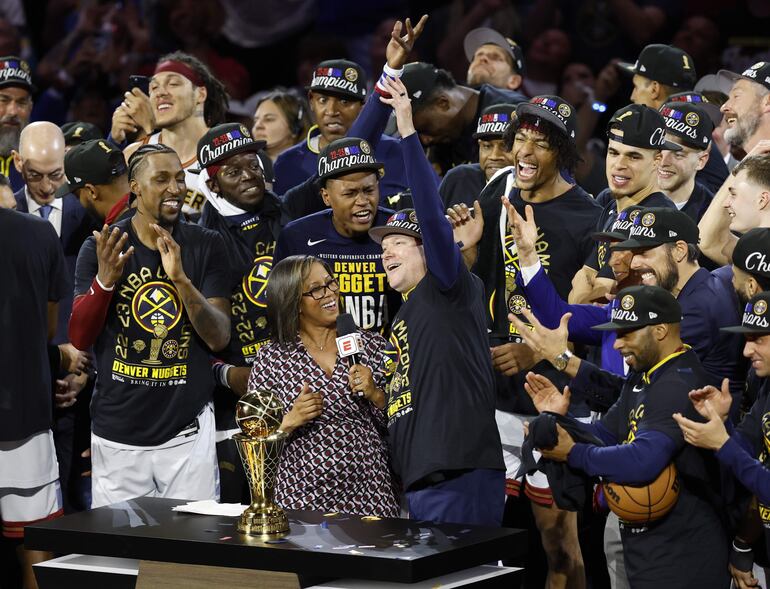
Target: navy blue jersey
x,y
355,262
699,201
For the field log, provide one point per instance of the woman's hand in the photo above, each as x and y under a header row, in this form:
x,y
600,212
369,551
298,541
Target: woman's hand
x,y
362,384
401,104
306,408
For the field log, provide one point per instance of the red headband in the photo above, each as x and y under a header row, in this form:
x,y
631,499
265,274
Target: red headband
x,y
212,170
179,68
532,126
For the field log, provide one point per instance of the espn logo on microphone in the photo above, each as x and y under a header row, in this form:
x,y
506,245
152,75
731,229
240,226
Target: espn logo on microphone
x,y
349,344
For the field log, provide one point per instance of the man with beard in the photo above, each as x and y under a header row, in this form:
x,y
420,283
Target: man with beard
x,y
747,110
639,438
99,180
185,100
152,298
493,59
249,220
636,135
741,204
690,128
15,109
464,183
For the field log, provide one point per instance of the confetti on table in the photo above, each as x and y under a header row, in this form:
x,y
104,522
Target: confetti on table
x,y
368,546
344,547
331,514
355,552
226,538
370,518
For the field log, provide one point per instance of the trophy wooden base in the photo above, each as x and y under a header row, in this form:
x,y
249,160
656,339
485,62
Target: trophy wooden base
x,y
269,523
167,575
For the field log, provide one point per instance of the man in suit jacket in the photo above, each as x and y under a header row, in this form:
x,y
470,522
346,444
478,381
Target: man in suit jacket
x,y
40,161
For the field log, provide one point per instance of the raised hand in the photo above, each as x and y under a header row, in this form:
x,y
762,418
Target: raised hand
x,y
524,232
170,254
545,396
467,224
110,255
401,105
546,343
711,435
399,47
720,399
307,406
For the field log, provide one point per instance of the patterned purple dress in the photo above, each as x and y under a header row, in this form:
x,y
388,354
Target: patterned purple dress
x,y
339,461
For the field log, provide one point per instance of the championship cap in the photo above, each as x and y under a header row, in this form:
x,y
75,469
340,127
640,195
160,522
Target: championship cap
x,y
698,99
664,64
224,141
339,77
620,227
419,78
95,161
714,84
486,36
658,225
637,306
553,109
78,132
642,127
754,316
752,252
494,120
345,156
403,222
759,73
689,122
14,71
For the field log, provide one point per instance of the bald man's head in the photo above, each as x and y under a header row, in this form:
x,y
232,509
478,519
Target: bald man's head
x,y
40,160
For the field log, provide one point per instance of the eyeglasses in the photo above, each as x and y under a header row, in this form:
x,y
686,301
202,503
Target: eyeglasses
x,y
319,292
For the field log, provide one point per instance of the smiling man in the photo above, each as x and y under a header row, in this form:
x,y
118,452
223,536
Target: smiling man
x,y
493,59
152,298
747,110
349,174
15,110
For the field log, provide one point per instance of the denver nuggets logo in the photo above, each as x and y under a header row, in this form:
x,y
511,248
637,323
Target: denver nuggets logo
x,y
564,110
156,307
627,302
633,215
245,132
648,219
760,307
351,75
365,146
516,303
692,119
255,282
756,66
413,216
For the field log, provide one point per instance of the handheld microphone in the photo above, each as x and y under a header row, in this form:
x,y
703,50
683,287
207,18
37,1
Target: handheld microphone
x,y
349,344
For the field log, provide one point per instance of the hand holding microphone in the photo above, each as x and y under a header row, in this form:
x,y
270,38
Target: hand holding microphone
x,y
349,345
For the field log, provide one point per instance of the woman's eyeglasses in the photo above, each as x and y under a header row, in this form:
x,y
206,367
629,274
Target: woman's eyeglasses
x,y
319,292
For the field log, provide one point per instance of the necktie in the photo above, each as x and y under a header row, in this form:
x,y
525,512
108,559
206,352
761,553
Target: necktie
x,y
45,211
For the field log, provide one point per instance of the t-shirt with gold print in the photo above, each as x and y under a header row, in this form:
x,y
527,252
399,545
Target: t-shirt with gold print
x,y
153,371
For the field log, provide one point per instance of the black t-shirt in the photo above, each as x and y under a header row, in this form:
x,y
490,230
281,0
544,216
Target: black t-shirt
x,y
462,184
441,382
688,547
715,172
32,264
154,373
355,262
699,201
250,243
599,257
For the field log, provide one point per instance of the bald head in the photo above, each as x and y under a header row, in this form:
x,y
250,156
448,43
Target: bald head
x,y
40,160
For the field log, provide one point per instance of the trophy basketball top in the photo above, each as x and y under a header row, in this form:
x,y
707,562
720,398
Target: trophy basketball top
x,y
259,413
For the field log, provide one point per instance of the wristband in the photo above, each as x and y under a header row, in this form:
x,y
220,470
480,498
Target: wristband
x,y
221,370
387,72
104,288
741,556
386,69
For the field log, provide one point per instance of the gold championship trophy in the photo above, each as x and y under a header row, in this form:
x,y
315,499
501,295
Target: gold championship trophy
x,y
259,414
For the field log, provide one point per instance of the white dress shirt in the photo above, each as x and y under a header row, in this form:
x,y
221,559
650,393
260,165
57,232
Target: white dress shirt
x,y
56,211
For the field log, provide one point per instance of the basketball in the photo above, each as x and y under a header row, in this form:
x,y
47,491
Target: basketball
x,y
644,504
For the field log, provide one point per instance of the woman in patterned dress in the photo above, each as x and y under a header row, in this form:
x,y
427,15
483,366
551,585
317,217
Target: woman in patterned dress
x,y
336,457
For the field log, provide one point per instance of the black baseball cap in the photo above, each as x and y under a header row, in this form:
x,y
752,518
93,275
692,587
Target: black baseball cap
x,y
620,227
638,306
553,109
486,36
642,127
403,222
14,71
494,120
698,99
689,122
224,141
78,132
664,64
657,225
96,161
759,73
754,316
752,252
339,77
345,156
420,79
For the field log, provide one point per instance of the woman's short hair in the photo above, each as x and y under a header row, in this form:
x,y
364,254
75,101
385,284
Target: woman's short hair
x,y
284,293
294,108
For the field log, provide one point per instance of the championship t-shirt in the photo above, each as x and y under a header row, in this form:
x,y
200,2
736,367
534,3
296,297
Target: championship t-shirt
x,y
34,274
153,371
355,262
687,547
